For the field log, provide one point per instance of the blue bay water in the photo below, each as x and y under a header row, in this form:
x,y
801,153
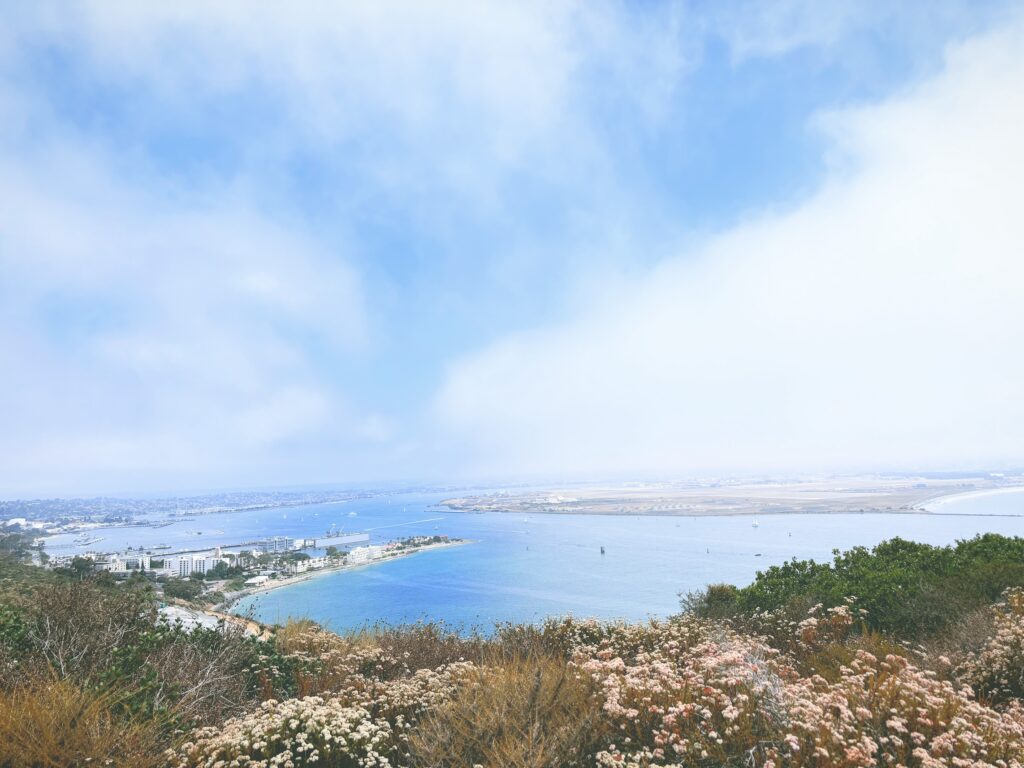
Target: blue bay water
x,y
524,569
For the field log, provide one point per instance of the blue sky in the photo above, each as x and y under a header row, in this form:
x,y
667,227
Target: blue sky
x,y
314,242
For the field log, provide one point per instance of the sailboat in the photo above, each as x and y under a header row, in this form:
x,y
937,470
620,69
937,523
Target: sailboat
x,y
755,523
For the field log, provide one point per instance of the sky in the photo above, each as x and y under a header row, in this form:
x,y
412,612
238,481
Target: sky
x,y
262,244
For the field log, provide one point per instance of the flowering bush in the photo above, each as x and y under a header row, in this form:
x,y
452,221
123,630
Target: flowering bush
x,y
888,712
712,696
366,724
997,673
703,694
682,692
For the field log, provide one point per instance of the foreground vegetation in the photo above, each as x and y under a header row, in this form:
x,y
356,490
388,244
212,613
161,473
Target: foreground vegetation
x,y
759,676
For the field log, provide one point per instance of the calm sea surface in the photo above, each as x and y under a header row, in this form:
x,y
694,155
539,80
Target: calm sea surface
x,y
525,568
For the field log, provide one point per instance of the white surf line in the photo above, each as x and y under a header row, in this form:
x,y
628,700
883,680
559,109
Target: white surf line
x,y
399,525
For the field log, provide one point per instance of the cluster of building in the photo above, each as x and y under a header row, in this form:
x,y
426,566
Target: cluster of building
x,y
367,554
285,557
183,565
357,556
175,566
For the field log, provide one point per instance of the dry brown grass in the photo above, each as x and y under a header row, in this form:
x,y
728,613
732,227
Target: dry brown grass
x,y
425,646
829,660
959,641
527,713
55,724
76,628
304,636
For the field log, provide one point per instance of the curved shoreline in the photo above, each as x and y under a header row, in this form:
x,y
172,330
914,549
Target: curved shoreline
x,y
228,606
938,501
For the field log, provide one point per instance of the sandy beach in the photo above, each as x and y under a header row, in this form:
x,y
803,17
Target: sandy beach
x,y
932,504
232,598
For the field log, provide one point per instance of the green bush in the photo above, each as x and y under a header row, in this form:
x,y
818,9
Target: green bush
x,y
909,590
183,589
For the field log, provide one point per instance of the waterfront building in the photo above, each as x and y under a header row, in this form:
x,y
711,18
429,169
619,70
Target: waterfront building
x,y
277,544
185,565
312,564
365,554
123,563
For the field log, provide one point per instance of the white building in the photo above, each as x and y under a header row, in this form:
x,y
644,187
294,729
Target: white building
x,y
185,565
278,544
365,554
123,563
312,564
256,581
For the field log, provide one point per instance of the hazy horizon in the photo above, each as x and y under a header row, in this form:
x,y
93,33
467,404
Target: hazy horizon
x,y
329,244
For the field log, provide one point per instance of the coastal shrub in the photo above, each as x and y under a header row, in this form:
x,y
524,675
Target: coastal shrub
x,y
716,601
425,645
19,579
76,628
55,724
997,672
910,590
183,589
365,724
665,693
733,700
195,676
111,638
802,685
528,713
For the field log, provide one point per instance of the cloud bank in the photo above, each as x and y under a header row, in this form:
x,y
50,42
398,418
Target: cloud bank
x,y
189,296
259,243
878,324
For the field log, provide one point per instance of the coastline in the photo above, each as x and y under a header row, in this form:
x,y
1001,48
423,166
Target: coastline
x,y
820,498
704,513
227,607
939,501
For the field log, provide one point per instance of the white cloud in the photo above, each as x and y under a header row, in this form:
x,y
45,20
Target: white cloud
x,y
878,324
163,325
149,336
446,94
754,29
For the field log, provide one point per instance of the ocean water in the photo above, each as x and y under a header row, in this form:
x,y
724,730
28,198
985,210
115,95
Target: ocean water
x,y
998,502
526,568
520,568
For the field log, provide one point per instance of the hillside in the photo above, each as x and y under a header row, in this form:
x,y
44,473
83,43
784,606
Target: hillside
x,y
903,655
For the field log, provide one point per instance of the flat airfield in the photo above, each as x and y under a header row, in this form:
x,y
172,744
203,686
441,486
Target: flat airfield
x,y
836,495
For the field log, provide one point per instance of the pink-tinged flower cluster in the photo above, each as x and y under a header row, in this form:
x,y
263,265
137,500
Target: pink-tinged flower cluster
x,y
886,712
678,693
997,673
692,696
718,697
819,628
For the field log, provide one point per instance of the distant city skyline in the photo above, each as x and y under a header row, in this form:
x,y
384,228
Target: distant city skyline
x,y
270,246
